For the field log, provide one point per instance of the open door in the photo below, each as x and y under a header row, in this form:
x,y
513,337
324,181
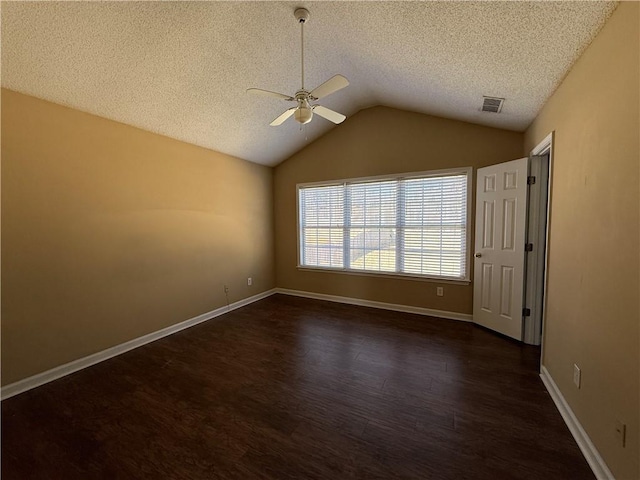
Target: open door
x,y
498,281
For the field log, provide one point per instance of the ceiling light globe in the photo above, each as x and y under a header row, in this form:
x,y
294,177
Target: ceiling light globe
x,y
303,115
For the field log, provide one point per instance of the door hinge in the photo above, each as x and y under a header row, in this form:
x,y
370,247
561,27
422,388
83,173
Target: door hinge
x,y
531,180
526,312
528,247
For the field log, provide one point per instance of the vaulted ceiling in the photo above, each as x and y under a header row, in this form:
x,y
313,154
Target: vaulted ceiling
x,y
181,69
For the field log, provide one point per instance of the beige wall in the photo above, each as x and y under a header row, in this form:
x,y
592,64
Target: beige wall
x,y
593,313
110,232
381,141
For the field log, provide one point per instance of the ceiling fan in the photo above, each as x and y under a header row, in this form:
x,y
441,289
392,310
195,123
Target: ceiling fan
x,y
303,112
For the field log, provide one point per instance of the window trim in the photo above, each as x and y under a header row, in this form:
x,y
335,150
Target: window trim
x,y
378,178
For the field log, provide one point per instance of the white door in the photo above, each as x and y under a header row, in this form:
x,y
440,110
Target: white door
x,y
498,279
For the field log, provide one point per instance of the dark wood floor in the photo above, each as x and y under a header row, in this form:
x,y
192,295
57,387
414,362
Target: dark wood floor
x,y
291,388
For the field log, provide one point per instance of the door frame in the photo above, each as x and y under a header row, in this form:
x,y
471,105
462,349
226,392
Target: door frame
x,y
534,327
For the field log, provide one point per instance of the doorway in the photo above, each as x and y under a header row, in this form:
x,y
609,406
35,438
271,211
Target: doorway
x,y
538,206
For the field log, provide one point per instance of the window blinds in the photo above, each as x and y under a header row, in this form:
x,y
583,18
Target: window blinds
x,y
412,226
322,226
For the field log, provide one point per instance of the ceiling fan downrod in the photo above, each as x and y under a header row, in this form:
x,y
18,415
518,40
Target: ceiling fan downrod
x,y
302,15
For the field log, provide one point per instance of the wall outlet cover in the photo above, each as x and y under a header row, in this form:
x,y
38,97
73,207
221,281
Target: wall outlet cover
x,y
621,433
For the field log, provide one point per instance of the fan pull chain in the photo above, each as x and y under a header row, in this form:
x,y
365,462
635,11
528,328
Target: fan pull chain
x,y
303,128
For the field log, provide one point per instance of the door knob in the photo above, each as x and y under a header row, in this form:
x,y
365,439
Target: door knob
x,y
478,255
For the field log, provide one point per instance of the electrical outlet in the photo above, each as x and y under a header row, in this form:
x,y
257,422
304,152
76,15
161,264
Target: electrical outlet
x,y
440,291
576,375
249,281
226,289
621,433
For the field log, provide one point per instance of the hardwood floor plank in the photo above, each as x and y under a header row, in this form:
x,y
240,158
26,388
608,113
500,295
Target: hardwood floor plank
x,y
292,388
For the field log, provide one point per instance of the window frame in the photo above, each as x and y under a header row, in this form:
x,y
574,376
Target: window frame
x,y
468,171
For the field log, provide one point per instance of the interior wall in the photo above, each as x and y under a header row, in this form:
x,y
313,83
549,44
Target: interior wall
x,y
379,141
110,232
593,286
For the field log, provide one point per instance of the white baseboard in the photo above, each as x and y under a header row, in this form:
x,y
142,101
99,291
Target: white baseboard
x,y
68,368
71,367
465,317
595,461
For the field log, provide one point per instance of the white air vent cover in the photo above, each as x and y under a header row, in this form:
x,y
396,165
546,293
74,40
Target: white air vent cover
x,y
492,104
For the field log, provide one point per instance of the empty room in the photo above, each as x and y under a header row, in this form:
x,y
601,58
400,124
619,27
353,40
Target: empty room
x,y
320,240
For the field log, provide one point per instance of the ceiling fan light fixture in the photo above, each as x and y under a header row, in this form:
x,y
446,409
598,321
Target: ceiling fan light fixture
x,y
303,115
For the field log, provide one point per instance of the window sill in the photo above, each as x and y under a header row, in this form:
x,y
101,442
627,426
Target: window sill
x,y
396,276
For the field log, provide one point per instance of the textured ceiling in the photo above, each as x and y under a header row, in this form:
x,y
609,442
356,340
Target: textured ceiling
x,y
181,68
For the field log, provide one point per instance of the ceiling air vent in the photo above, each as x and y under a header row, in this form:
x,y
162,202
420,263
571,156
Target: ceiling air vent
x,y
492,104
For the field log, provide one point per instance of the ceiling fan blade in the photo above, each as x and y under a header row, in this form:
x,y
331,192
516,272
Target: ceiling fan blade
x,y
329,114
283,117
332,85
267,93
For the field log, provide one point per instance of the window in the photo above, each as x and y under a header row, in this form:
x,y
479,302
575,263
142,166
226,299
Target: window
x,y
407,225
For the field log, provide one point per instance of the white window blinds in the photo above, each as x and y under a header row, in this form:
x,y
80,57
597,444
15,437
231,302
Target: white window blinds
x,y
373,225
322,226
410,226
434,227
